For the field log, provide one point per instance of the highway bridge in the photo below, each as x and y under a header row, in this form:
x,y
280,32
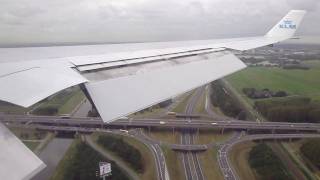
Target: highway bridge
x,y
162,123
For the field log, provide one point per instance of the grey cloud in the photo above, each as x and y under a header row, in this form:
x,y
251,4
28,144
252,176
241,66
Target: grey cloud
x,y
144,20
310,5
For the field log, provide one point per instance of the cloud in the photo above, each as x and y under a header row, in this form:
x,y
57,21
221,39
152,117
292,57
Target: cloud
x,y
23,21
310,5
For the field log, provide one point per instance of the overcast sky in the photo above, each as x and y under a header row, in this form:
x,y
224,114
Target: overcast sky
x,y
42,21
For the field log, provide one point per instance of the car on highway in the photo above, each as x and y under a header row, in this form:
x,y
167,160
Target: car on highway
x,y
214,123
172,113
65,116
123,130
162,122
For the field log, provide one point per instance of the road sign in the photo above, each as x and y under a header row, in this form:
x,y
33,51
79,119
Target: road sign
x,y
105,169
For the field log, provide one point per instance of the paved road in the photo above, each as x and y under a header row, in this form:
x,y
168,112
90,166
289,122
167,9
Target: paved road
x,y
162,170
168,123
227,170
224,148
190,160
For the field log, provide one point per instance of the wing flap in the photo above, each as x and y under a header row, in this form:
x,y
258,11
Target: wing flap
x,y
125,95
30,86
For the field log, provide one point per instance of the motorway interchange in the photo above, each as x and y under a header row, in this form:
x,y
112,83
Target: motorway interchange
x,y
188,152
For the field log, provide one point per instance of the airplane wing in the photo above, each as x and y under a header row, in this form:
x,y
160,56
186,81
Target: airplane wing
x,y
124,82
124,78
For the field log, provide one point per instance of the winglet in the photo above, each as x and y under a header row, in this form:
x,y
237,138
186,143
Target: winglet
x,y
287,26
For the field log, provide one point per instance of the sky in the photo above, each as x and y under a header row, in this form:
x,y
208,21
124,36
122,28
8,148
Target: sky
x,y
39,21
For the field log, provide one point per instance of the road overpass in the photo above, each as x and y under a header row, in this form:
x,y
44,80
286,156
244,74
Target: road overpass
x,y
161,123
224,163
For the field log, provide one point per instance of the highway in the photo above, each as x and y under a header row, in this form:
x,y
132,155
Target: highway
x,y
224,163
154,146
190,160
223,149
162,170
168,123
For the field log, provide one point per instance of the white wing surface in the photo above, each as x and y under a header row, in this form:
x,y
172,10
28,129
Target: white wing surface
x,y
120,78
17,161
150,72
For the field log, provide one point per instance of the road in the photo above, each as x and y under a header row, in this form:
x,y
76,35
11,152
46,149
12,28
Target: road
x,y
154,146
169,123
224,163
223,151
190,160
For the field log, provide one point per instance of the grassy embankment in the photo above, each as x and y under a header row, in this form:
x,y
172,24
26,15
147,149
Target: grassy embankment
x,y
174,166
65,101
149,171
239,156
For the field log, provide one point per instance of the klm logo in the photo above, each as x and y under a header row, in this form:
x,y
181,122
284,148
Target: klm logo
x,y
287,25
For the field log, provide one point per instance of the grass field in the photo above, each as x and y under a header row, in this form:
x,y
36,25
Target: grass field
x,y
209,136
173,162
12,109
295,82
72,102
209,164
200,106
165,136
65,100
239,158
180,108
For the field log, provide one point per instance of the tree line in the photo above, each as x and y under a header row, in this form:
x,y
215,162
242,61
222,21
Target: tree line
x,y
264,93
311,150
220,98
84,165
267,164
293,109
124,150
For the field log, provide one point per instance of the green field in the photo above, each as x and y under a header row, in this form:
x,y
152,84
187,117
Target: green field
x,y
238,156
174,165
295,82
209,164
